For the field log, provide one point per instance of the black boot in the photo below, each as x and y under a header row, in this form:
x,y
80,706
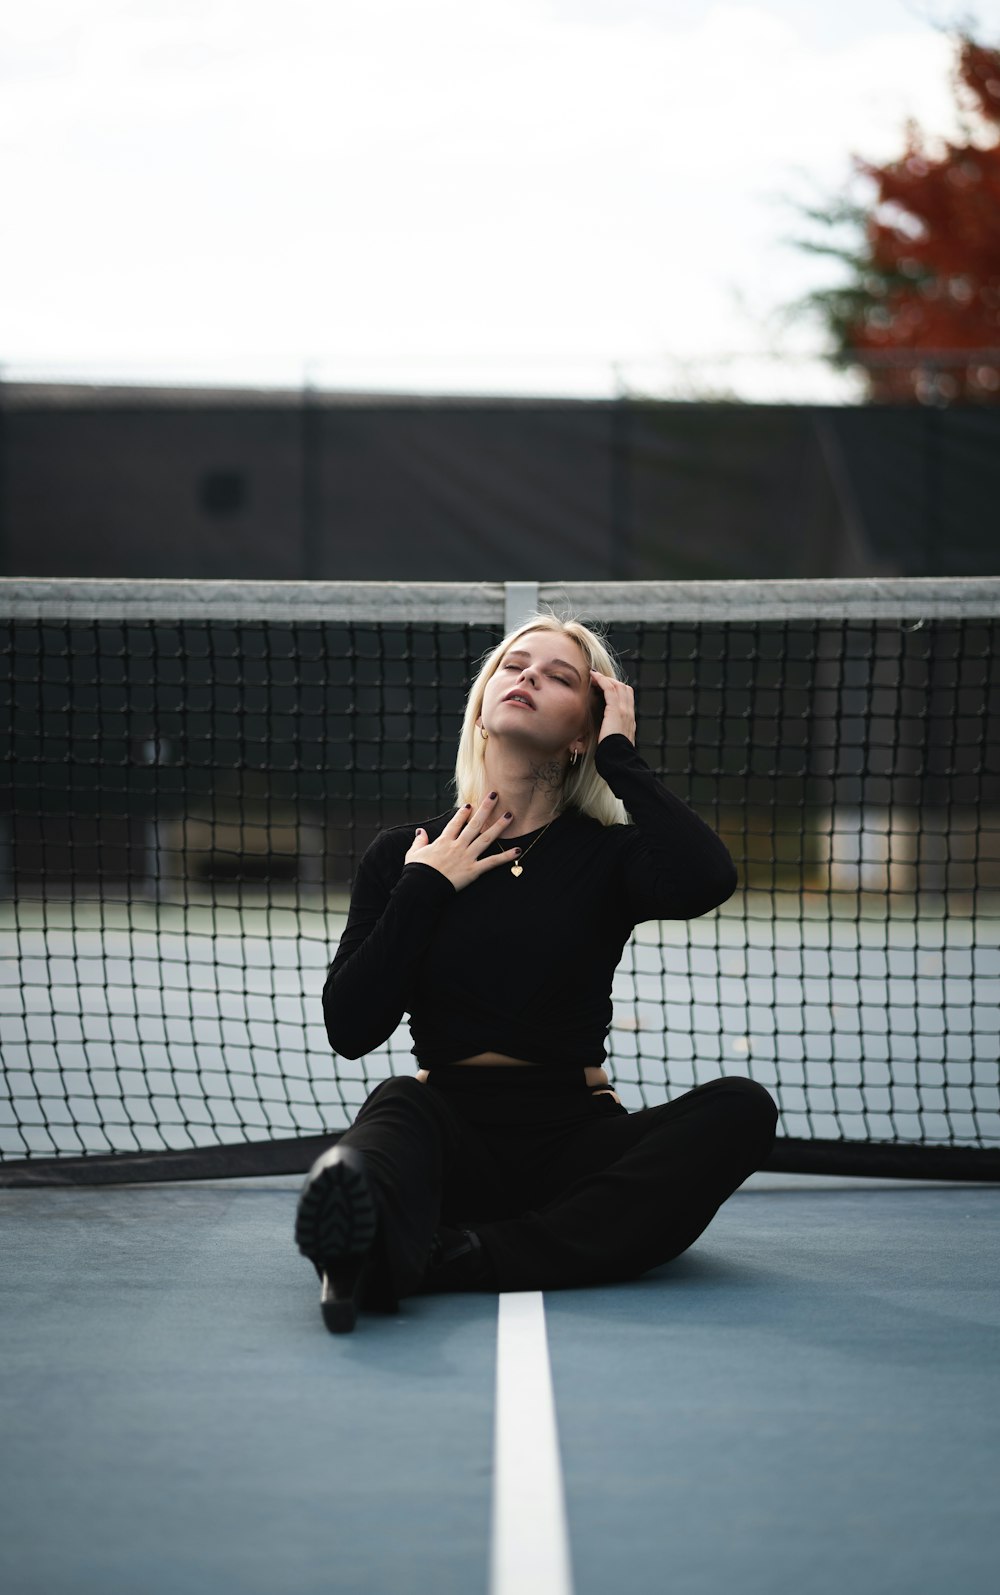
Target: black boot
x,y
457,1262
336,1227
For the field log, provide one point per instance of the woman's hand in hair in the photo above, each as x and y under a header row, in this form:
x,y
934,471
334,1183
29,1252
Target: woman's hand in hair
x,y
465,849
619,706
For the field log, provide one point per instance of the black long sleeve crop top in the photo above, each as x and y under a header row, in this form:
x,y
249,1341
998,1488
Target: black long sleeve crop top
x,y
521,966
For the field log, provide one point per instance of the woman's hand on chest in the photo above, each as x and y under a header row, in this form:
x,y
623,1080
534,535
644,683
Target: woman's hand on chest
x,y
465,848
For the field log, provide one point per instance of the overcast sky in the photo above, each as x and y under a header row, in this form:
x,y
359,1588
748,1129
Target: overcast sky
x,y
469,195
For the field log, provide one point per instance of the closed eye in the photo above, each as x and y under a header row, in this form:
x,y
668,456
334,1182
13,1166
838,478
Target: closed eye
x,y
565,681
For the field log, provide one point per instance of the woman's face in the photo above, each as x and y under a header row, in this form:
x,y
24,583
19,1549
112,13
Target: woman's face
x,y
540,693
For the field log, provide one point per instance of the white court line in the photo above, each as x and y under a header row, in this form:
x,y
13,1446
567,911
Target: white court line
x,y
530,1543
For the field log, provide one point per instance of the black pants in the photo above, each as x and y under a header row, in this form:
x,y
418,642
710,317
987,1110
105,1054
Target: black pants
x,y
564,1188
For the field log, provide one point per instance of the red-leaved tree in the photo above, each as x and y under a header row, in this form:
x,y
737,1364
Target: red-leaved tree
x,y
920,310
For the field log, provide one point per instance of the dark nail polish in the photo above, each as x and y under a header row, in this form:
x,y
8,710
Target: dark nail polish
x,y
508,815
493,797
517,850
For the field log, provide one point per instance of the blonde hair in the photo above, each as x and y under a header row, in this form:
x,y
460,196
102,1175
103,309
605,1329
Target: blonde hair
x,y
583,788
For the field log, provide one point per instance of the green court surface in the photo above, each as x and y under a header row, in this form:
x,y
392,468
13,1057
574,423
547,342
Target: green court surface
x,y
808,1401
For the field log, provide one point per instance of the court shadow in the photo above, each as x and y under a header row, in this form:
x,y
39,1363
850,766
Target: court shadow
x,y
896,1318
431,1338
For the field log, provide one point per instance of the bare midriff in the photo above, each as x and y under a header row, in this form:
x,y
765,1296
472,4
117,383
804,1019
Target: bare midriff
x,y
594,1076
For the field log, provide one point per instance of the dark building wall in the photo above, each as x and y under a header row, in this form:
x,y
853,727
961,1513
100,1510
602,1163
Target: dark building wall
x,y
926,486
182,492
488,492
292,486
735,492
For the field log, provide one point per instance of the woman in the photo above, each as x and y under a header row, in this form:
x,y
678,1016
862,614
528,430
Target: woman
x,y
508,1161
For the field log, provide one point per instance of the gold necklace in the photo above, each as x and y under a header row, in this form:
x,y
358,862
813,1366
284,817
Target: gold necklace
x,y
516,868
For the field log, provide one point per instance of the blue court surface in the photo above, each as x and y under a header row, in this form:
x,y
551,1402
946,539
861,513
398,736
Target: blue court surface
x,y
808,1401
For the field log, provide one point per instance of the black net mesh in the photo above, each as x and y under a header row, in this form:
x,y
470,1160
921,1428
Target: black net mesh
x,y
182,807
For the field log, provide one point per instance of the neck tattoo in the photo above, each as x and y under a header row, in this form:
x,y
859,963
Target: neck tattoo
x,y
547,777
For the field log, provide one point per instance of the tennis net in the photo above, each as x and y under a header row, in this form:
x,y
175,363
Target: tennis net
x,y
189,773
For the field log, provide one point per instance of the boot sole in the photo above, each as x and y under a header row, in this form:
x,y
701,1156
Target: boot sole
x,y
335,1227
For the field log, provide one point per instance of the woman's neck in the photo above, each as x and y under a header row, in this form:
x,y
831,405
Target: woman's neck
x,y
531,789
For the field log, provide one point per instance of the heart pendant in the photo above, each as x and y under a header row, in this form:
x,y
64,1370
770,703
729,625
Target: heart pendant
x,y
516,869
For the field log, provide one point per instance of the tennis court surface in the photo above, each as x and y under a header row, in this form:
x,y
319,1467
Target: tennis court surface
x,y
807,1401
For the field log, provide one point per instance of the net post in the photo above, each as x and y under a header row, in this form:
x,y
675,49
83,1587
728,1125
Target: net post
x,y
520,600
310,848
6,858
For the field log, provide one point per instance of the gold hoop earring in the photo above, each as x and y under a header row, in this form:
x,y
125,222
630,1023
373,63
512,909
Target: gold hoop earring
x,y
573,758
484,734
